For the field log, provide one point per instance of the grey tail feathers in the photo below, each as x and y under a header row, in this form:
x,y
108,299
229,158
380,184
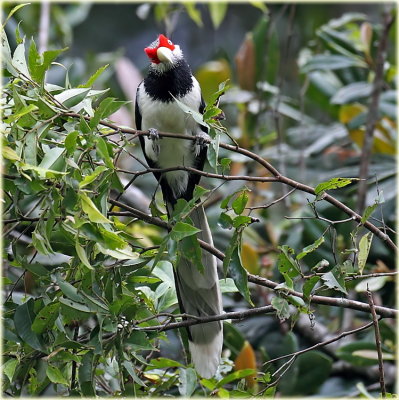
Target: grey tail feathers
x,y
199,294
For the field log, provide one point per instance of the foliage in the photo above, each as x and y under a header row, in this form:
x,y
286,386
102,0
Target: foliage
x,y
86,281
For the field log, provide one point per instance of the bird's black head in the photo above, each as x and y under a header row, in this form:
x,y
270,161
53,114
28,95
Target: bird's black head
x,y
163,54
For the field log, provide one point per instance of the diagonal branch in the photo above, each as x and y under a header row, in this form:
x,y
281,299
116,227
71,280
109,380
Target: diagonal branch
x,y
321,344
279,177
332,301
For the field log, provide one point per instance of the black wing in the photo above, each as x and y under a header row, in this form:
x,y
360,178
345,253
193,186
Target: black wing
x,y
137,112
138,117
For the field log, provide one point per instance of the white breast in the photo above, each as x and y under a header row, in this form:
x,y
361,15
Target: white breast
x,y
169,117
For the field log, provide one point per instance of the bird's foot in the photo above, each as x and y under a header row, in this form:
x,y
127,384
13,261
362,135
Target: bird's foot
x,y
154,137
202,140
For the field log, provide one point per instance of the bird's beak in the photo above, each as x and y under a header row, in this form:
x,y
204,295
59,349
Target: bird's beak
x,y
165,55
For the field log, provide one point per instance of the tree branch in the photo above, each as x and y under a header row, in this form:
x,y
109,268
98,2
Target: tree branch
x,y
377,342
373,113
279,178
211,318
321,344
332,301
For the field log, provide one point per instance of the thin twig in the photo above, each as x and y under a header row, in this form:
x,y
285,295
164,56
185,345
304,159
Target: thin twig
x,y
377,341
273,202
332,301
321,344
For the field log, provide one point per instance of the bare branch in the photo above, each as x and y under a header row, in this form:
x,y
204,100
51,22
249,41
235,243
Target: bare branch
x,y
377,342
321,344
332,301
211,318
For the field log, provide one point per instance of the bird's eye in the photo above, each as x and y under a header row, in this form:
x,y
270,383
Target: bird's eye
x,y
169,42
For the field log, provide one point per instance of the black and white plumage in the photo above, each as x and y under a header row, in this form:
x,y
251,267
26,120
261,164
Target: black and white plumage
x,y
170,77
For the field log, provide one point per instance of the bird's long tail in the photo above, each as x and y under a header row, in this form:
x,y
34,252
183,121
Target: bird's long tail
x,y
199,295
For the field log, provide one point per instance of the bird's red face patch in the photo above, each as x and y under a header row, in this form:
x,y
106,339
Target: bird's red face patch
x,y
151,50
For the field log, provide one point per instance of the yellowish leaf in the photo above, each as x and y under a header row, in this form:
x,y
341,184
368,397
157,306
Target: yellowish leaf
x,y
250,258
245,62
9,153
246,359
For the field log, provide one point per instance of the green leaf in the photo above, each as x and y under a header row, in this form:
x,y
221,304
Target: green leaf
x,y
72,97
181,230
225,221
233,376
23,111
19,60
13,11
94,77
38,65
43,172
218,12
162,362
90,178
30,149
367,212
9,153
331,62
9,368
102,150
69,290
6,281
282,307
286,263
23,320
70,141
309,285
240,202
130,369
309,249
348,353
335,280
91,210
85,374
195,114
235,269
80,251
188,381
55,375
241,220
125,253
227,285
138,340
191,250
51,158
46,317
364,249
352,92
372,284
193,13
334,183
82,308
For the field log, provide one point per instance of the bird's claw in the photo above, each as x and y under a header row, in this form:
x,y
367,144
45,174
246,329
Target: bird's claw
x,y
202,139
154,137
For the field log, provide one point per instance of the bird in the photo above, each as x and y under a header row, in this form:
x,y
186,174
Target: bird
x,y
169,78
